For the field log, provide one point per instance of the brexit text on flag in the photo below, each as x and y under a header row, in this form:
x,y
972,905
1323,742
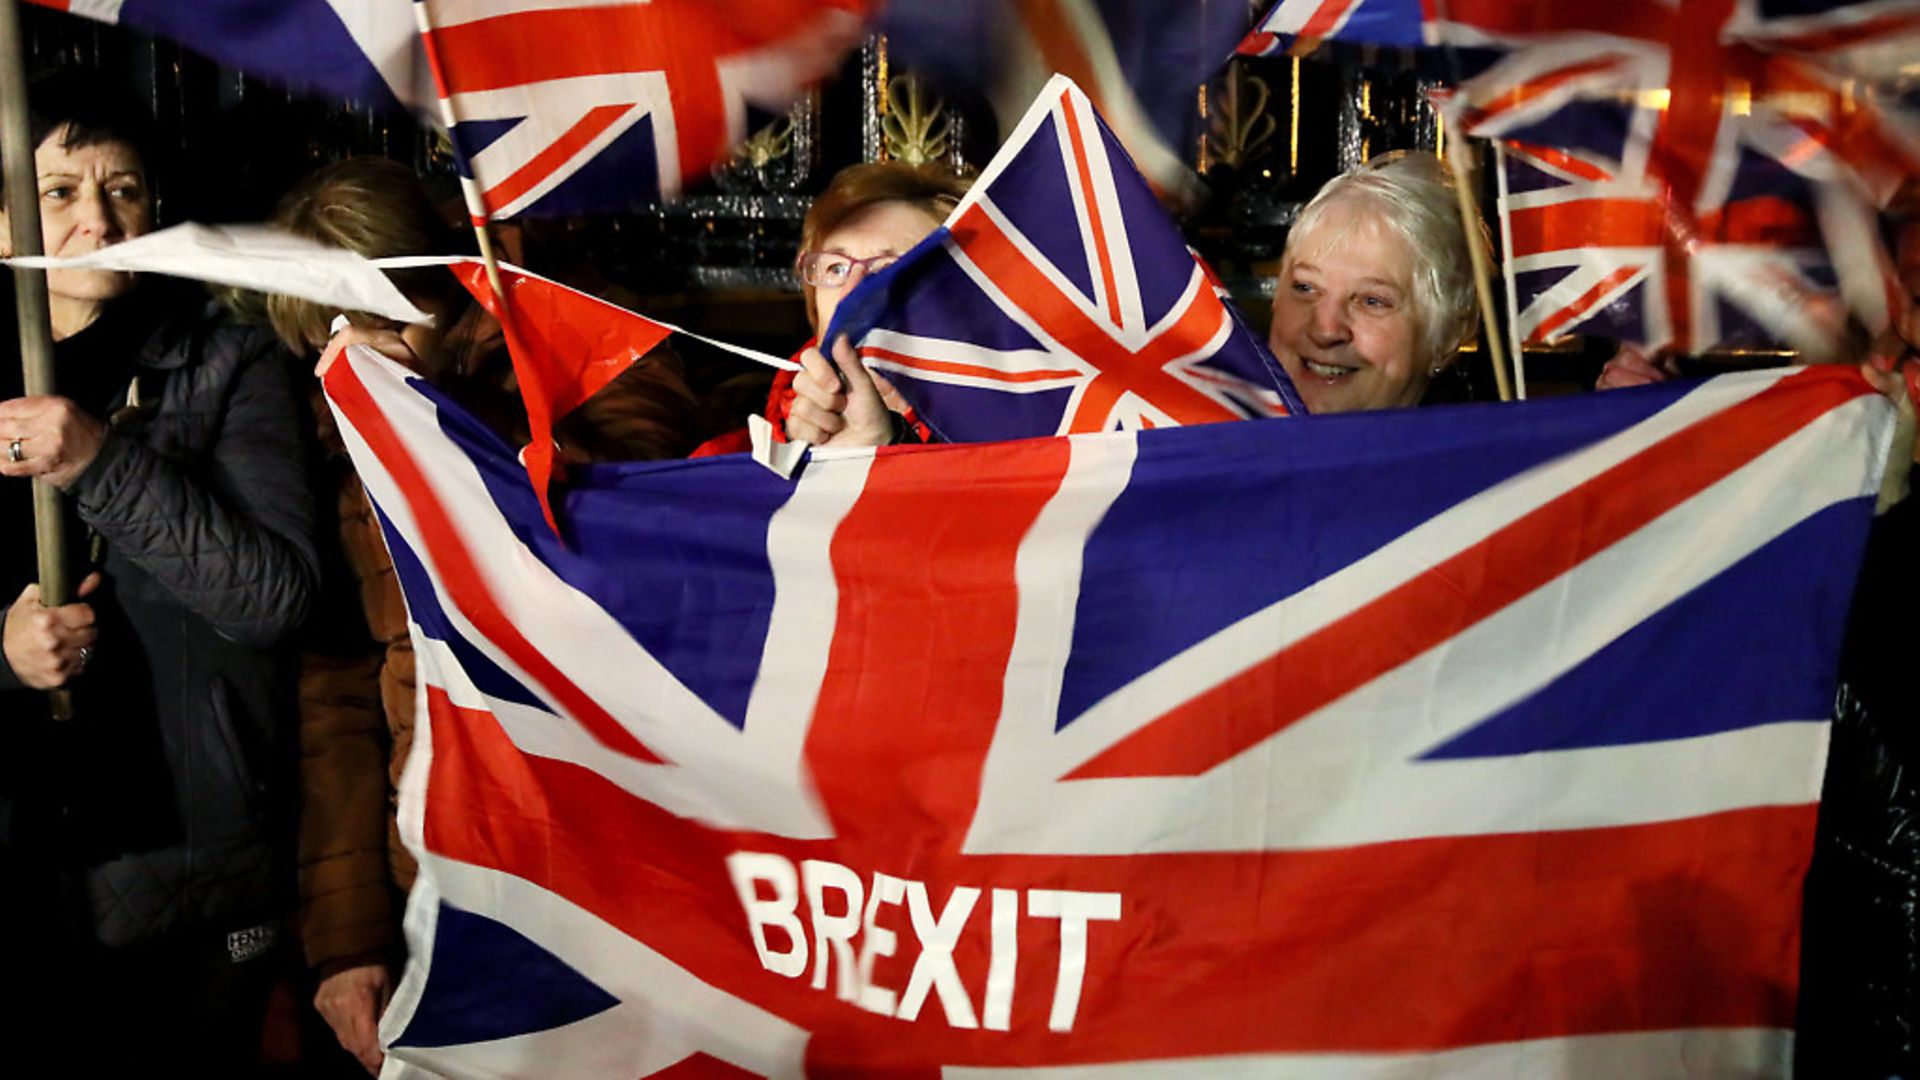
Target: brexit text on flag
x,y
1059,297
1417,743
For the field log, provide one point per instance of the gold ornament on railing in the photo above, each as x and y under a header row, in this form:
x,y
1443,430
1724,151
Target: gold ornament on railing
x,y
1242,127
768,145
915,128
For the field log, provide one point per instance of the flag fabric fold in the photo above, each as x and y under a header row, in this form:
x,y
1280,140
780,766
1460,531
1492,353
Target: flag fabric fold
x,y
1140,752
1059,297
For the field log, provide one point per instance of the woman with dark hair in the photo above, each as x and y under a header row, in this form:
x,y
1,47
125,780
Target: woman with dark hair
x,y
145,844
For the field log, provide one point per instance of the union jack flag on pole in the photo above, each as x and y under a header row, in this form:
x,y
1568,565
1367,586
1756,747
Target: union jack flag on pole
x,y
559,106
1059,297
1586,255
1433,742
1699,112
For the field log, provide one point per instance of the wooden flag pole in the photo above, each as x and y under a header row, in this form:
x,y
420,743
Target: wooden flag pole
x,y
540,453
1478,255
30,302
469,188
1513,339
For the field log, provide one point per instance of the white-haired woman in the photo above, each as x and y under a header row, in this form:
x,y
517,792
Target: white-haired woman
x,y
1375,295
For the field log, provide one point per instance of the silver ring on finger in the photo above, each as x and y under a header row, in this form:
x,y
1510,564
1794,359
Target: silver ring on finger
x,y
14,453
86,656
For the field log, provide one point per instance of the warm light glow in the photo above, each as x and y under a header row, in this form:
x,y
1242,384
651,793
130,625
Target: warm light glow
x,y
1366,115
1293,124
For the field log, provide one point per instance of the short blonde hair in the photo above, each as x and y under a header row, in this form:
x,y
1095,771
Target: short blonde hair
x,y
372,206
933,190
1411,195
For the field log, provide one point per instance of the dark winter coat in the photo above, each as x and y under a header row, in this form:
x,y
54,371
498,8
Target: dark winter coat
x,y
168,803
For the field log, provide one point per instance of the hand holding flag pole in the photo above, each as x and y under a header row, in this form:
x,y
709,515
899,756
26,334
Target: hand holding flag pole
x,y
30,300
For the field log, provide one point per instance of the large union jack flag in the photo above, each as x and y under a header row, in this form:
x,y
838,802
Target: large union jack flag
x,y
1443,742
1059,297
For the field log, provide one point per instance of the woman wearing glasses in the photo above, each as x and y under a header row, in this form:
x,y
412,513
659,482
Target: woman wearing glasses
x,y
868,216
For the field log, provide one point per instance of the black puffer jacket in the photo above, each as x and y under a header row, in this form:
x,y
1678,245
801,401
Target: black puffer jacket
x,y
167,803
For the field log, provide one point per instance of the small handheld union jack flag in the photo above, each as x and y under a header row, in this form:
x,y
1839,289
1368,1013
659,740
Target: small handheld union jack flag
x,y
1060,298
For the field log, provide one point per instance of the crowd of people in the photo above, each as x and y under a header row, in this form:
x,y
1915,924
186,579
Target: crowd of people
x,y
219,815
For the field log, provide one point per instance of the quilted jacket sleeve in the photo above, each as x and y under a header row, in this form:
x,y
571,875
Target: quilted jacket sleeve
x,y
231,538
345,911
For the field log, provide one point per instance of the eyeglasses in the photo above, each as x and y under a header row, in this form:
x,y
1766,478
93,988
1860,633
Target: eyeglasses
x,y
830,269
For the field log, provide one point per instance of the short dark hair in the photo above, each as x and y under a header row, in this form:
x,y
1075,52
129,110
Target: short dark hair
x,y
73,102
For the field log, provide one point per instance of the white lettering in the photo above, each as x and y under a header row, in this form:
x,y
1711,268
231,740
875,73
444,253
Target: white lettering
x,y
830,929
749,869
1074,910
1001,965
877,941
774,892
935,968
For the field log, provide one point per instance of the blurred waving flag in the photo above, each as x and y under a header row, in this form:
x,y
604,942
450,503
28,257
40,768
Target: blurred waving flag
x,y
554,106
1587,253
945,758
1714,116
1059,297
571,107
351,49
1754,137
1300,25
1141,62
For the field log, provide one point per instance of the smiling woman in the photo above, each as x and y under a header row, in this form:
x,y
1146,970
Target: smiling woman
x,y
1375,295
